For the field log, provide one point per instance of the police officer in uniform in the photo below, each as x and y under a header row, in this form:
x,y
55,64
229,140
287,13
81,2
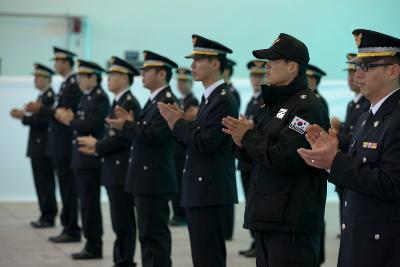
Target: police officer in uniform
x,y
114,151
88,120
370,171
314,75
257,78
42,167
190,105
227,75
285,206
355,108
209,184
60,144
151,171
230,209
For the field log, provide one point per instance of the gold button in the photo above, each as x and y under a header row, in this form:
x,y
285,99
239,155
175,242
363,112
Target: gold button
x,y
200,179
364,159
343,226
145,167
377,237
117,162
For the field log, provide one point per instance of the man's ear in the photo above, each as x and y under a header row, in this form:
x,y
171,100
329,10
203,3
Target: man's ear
x,y
215,63
293,67
394,72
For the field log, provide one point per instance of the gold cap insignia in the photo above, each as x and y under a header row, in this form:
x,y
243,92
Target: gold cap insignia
x,y
358,39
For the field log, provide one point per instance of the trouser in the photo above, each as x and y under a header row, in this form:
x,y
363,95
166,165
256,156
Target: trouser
x,y
123,223
88,188
45,185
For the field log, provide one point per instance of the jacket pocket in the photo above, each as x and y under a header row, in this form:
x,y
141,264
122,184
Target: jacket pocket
x,y
270,208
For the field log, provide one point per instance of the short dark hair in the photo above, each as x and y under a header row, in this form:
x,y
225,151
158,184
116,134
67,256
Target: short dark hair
x,y
130,79
222,62
230,68
71,62
168,72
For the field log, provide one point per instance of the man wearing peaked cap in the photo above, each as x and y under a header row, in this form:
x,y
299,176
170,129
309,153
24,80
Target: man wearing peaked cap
x,y
88,120
314,75
209,185
190,106
257,70
114,150
286,200
230,210
118,65
151,172
227,75
42,167
59,144
369,172
355,108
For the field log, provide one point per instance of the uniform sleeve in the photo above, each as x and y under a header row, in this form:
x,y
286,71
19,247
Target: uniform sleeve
x,y
154,132
207,138
112,144
72,97
40,120
280,152
94,117
380,179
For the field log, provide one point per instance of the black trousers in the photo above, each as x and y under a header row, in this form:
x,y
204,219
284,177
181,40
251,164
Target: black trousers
x,y
229,221
245,177
207,232
123,223
88,188
275,249
154,235
66,182
179,212
45,185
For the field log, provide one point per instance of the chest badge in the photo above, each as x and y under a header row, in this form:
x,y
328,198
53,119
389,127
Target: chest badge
x,y
376,123
299,125
281,113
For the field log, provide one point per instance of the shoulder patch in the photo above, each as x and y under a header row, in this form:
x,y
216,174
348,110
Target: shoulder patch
x,y
128,97
168,94
281,113
72,80
49,94
299,125
223,92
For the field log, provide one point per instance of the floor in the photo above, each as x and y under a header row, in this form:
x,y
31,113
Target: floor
x,y
21,245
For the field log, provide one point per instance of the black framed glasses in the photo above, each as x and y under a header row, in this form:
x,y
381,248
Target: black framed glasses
x,y
366,66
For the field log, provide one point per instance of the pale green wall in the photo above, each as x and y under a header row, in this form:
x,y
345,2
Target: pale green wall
x,y
166,26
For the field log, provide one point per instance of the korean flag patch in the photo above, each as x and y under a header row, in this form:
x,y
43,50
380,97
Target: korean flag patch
x,y
299,125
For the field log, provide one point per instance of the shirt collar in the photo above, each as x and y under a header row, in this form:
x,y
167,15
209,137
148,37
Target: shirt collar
x,y
211,88
156,92
256,94
120,94
376,107
90,91
69,75
41,92
357,97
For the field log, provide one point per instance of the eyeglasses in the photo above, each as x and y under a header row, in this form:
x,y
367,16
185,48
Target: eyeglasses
x,y
366,66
